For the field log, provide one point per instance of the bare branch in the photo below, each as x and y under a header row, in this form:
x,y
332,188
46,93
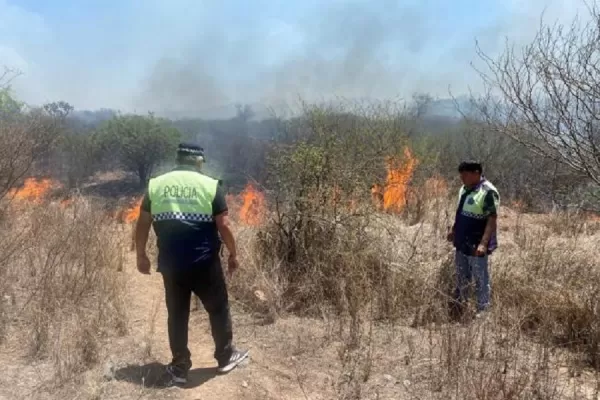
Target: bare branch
x,y
547,96
7,75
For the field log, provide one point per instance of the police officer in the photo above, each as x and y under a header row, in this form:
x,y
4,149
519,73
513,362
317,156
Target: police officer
x,y
188,211
474,233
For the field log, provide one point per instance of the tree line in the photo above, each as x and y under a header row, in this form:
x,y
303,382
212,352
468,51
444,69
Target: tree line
x,y
535,129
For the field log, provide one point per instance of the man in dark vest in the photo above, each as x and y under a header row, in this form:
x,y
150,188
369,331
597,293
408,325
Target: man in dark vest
x,y
474,233
188,212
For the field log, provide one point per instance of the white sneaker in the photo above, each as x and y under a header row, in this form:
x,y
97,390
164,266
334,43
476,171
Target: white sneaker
x,y
237,356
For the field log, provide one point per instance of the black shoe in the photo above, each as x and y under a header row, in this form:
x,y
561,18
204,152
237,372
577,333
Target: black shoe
x,y
176,375
237,356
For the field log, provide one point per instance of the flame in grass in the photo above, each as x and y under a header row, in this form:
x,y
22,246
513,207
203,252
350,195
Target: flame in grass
x,y
398,177
253,208
33,190
37,191
132,213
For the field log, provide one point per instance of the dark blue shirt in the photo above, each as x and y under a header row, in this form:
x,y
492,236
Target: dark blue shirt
x,y
469,231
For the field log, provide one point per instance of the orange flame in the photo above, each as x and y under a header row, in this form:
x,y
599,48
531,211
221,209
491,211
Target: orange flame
x,y
253,209
33,190
132,213
398,176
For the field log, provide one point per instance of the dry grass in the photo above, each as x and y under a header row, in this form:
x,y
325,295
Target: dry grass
x,y
378,274
369,295
68,295
547,283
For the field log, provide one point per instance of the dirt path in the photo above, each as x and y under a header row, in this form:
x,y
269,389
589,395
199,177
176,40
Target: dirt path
x,y
257,378
130,365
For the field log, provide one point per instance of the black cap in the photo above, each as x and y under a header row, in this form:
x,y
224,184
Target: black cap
x,y
190,149
470,166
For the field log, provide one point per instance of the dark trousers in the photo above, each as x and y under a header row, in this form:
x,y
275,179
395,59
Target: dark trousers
x,y
207,281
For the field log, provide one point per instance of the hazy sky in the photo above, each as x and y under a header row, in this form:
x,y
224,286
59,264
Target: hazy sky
x,y
193,56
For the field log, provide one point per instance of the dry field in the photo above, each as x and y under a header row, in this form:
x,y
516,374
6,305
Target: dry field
x,y
358,311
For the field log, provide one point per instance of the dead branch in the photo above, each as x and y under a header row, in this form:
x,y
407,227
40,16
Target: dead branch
x,y
547,95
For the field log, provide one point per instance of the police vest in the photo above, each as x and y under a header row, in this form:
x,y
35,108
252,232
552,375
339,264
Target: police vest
x,y
471,218
474,204
182,195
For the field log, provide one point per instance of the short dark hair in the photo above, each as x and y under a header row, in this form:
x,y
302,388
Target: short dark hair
x,y
188,160
189,153
470,166
190,149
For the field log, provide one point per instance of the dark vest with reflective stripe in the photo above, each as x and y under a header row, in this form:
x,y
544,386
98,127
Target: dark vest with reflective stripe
x,y
471,218
181,208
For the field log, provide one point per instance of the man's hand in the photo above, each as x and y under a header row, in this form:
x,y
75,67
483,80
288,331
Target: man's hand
x,y
232,265
481,250
143,264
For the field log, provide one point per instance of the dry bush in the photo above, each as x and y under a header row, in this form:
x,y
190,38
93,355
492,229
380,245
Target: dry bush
x,y
325,251
325,247
547,285
323,264
10,246
571,223
366,267
544,311
26,139
544,95
70,293
489,360
25,136
315,246
544,290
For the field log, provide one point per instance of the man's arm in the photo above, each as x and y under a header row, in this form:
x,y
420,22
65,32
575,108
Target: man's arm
x,y
221,215
142,227
224,228
452,230
491,210
490,228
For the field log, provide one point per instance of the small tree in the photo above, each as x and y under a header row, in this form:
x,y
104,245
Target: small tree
x,y
79,153
9,106
141,143
547,96
26,138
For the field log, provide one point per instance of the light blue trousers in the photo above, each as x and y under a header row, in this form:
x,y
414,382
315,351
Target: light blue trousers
x,y
469,268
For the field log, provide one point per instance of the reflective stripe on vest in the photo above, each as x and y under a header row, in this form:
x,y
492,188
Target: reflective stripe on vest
x,y
474,205
182,195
